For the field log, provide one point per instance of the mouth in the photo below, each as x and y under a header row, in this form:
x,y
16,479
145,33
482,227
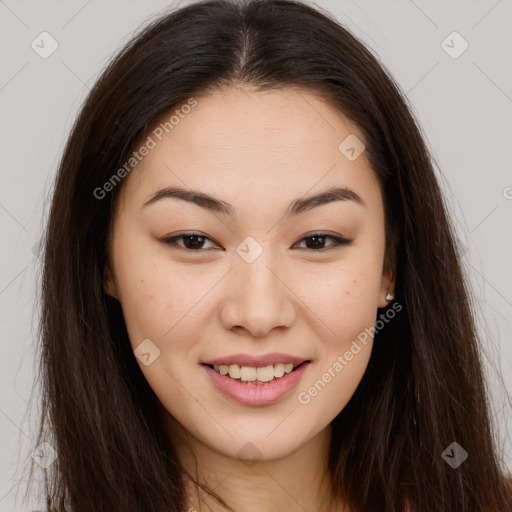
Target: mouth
x,y
256,385
256,374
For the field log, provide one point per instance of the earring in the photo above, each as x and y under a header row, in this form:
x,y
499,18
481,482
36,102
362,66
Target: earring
x,y
390,296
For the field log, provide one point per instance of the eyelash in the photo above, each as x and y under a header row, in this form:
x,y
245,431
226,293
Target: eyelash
x,y
338,241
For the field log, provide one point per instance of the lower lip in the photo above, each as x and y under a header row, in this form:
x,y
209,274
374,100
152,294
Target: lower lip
x,y
257,394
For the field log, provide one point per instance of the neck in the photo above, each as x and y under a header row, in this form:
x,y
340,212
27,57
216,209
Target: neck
x,y
298,482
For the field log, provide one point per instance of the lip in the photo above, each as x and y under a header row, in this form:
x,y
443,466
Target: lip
x,y
257,394
254,360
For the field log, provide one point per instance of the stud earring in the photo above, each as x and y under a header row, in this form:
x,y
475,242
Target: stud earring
x,y
390,296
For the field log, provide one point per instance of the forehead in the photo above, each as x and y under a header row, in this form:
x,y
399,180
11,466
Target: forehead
x,y
239,142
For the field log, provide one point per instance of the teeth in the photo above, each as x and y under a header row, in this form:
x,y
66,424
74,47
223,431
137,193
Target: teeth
x,y
234,371
265,374
246,373
252,373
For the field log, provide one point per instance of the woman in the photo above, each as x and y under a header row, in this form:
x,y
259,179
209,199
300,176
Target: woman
x,y
252,295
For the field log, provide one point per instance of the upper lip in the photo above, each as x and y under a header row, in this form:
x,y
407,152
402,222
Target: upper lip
x,y
257,360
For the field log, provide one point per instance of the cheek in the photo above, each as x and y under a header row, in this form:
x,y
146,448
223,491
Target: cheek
x,y
165,313
157,297
333,384
345,294
348,306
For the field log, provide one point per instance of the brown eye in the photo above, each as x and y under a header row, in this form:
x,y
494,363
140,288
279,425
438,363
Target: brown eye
x,y
316,241
191,241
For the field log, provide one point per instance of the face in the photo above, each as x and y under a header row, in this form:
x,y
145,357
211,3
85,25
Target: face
x,y
258,275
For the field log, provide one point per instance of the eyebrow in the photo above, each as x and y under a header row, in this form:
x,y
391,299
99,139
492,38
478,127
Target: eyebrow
x,y
296,207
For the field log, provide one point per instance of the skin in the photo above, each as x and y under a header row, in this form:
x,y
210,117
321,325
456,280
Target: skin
x,y
258,152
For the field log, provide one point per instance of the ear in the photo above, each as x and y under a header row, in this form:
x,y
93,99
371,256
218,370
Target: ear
x,y
109,284
388,275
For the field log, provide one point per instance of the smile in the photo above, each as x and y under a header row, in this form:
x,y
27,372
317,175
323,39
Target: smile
x,y
259,375
256,386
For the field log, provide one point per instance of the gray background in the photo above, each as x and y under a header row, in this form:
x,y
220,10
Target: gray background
x,y
463,104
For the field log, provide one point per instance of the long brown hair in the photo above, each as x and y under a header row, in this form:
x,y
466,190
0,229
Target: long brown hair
x,y
424,387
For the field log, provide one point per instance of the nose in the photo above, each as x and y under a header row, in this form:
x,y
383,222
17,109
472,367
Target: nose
x,y
259,299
